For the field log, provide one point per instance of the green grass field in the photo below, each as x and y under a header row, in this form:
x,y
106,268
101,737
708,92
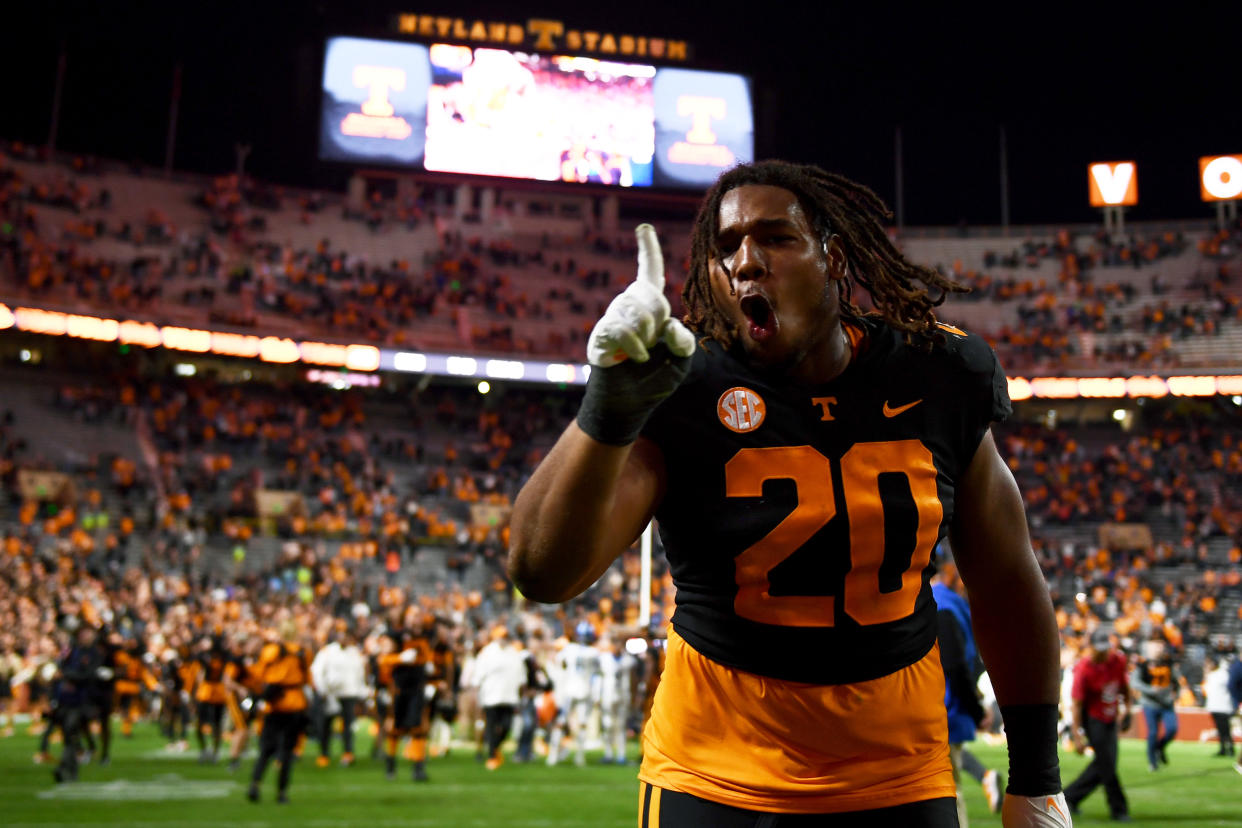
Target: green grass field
x,y
146,787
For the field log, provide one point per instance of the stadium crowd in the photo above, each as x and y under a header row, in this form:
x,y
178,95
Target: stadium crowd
x,y
502,296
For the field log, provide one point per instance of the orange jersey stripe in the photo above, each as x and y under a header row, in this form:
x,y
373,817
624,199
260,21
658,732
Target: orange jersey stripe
x,y
764,744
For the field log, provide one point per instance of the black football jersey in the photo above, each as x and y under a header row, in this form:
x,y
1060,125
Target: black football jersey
x,y
800,521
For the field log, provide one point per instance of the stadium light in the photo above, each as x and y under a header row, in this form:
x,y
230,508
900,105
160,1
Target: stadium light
x,y
1237,400
462,366
484,386
1119,414
409,362
184,369
504,369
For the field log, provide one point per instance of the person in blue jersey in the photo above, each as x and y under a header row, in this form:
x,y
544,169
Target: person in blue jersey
x,y
1234,686
803,458
959,658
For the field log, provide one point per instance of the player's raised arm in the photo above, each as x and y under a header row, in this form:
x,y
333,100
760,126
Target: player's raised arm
x,y
597,488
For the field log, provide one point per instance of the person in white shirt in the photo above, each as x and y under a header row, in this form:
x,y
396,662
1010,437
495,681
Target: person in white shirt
x,y
576,679
499,673
617,670
338,675
1218,702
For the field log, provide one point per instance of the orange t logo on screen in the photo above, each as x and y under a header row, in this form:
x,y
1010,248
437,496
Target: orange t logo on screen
x,y
1113,184
700,147
1220,177
376,119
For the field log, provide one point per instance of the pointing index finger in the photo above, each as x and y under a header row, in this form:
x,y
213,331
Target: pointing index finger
x,y
650,259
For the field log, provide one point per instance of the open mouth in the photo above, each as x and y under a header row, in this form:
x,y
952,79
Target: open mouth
x,y
761,321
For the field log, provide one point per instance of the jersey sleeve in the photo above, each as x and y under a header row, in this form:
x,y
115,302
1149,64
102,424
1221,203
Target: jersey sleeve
x,y
980,383
986,381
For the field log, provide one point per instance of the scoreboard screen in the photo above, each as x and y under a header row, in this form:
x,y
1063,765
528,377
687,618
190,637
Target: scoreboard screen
x,y
493,112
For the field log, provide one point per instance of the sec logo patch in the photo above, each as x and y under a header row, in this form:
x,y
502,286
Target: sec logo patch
x,y
741,409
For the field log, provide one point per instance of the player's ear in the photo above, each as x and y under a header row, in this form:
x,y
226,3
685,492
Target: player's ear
x,y
834,255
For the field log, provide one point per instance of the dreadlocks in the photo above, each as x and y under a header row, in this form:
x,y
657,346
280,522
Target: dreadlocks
x,y
833,204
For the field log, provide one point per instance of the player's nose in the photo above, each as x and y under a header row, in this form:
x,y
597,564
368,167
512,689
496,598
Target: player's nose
x,y
748,261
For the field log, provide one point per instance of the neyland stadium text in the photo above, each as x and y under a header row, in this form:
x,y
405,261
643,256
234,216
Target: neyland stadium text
x,y
540,35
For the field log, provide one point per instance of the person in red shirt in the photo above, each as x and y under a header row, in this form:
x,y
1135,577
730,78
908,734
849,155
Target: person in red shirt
x,y
1101,695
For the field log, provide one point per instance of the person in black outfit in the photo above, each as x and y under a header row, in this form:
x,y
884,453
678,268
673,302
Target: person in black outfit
x,y
537,683
78,671
103,691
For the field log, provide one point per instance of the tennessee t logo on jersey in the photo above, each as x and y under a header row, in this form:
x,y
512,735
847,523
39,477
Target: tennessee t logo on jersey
x,y
741,409
824,409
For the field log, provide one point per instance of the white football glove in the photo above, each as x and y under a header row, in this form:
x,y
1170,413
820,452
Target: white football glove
x,y
1051,811
638,318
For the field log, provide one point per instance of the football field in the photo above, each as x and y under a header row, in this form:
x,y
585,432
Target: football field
x,y
148,787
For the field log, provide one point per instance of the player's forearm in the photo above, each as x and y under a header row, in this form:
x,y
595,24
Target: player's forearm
x,y
565,529
1016,629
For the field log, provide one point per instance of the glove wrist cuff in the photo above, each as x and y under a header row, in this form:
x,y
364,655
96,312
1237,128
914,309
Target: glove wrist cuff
x,y
1031,733
602,420
619,399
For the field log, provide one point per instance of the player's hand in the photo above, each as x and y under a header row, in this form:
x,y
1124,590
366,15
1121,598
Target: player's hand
x,y
638,353
638,318
1051,811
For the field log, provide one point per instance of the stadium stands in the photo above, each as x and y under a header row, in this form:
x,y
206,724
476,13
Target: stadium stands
x,y
418,276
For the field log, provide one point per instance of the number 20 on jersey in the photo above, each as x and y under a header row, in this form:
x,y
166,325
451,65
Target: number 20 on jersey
x,y
811,473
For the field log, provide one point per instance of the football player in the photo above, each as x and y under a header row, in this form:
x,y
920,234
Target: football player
x,y
210,695
803,458
576,677
618,670
405,673
132,676
285,671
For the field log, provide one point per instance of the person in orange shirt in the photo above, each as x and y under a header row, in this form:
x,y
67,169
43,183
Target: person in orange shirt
x,y
132,674
211,695
284,671
245,688
405,673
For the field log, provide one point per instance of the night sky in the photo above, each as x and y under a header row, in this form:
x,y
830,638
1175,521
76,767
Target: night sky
x,y
1071,83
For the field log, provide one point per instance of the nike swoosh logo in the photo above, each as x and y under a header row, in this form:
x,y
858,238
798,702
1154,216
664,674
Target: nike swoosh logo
x,y
893,412
1052,805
